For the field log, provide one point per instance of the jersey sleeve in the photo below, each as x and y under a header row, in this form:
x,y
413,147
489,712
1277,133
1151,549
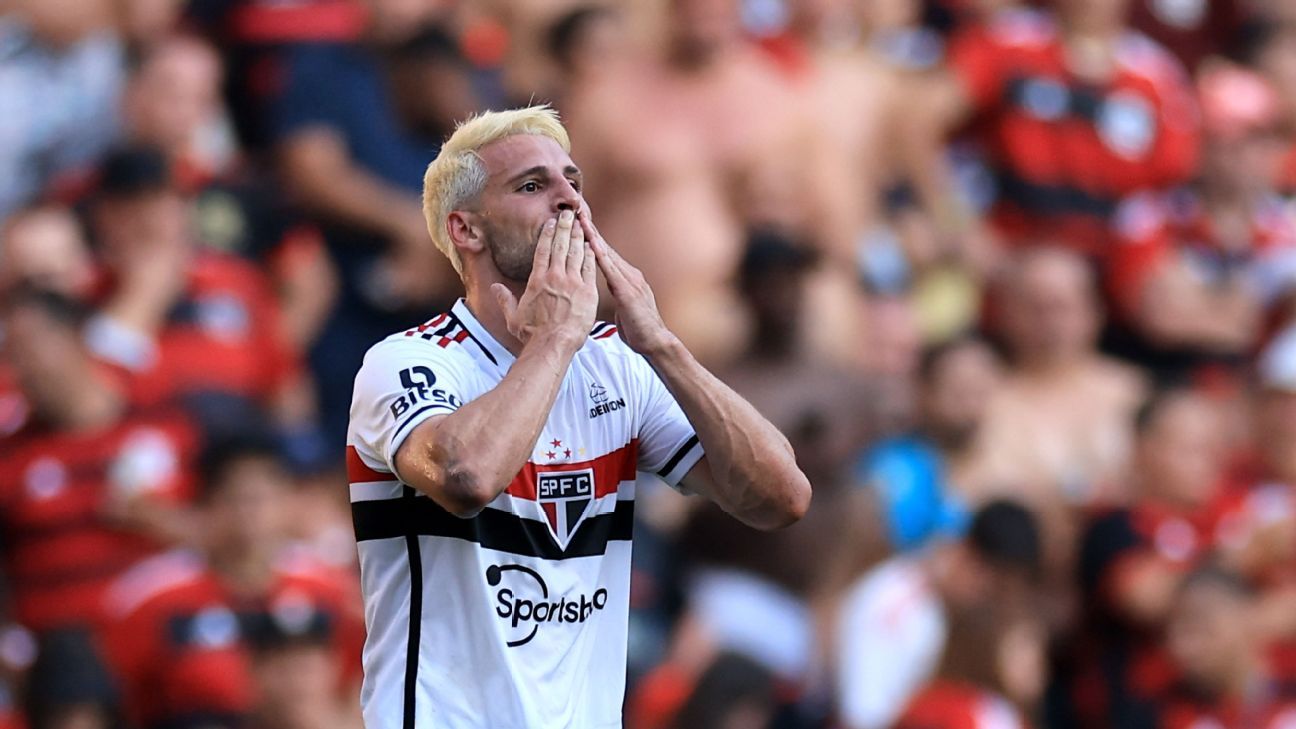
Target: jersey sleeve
x,y
400,385
668,445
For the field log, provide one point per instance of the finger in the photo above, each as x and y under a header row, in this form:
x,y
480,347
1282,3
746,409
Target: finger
x,y
576,249
561,240
588,265
507,302
544,245
615,277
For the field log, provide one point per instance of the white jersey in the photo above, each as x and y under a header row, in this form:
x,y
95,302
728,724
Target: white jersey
x,y
516,618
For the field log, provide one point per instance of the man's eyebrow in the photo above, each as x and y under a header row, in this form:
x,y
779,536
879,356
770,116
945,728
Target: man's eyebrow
x,y
572,170
537,171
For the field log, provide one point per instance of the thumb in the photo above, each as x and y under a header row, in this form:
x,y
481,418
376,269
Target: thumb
x,y
507,302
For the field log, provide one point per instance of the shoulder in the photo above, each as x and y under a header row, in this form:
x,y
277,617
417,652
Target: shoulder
x,y
440,339
155,580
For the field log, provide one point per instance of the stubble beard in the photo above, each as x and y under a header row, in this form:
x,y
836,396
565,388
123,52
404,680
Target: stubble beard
x,y
513,257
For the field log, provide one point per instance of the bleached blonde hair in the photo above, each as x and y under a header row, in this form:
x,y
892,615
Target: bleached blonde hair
x,y
458,175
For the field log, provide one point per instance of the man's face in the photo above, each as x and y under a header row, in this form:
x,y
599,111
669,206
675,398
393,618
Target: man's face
x,y
1209,634
530,179
247,513
1180,454
1052,312
148,221
175,93
956,398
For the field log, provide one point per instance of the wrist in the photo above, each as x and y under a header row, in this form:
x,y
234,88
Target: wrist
x,y
664,348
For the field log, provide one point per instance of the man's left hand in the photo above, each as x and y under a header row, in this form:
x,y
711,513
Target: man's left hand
x,y
637,318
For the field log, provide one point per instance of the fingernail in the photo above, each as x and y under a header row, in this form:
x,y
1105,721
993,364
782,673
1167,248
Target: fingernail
x,y
566,216
550,223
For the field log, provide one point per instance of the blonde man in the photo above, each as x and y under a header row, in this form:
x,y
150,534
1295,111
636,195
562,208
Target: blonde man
x,y
493,452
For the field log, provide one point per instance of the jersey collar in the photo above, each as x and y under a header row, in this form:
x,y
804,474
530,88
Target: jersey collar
x,y
484,342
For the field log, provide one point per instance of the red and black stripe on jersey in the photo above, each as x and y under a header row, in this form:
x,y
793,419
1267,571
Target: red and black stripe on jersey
x,y
61,549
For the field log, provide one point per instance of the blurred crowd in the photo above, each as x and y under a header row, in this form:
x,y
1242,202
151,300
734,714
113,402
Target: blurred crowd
x,y
1017,279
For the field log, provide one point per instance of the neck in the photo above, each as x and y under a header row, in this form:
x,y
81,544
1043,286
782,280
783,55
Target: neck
x,y
481,302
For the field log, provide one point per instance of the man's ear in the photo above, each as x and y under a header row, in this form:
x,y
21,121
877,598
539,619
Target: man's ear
x,y
465,236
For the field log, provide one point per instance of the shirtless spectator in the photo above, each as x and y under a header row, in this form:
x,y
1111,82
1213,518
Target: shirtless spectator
x,y
1059,432
713,122
826,413
1196,270
1072,110
893,623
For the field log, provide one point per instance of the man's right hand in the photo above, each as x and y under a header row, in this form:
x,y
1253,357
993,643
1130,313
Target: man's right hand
x,y
561,296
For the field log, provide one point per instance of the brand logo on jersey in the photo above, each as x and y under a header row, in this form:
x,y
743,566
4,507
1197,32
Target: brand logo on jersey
x,y
525,611
565,497
418,383
602,403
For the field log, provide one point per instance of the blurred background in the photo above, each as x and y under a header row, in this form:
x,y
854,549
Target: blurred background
x,y
1015,278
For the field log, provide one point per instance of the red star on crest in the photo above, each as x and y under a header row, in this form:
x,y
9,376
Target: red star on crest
x,y
550,455
556,443
567,453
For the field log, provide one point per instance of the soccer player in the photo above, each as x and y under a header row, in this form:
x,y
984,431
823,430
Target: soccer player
x,y
493,452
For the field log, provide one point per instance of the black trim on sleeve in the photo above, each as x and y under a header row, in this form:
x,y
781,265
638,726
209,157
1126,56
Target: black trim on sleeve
x,y
675,459
415,613
417,413
492,528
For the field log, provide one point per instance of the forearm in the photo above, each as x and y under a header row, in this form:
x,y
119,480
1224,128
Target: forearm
x,y
475,452
755,475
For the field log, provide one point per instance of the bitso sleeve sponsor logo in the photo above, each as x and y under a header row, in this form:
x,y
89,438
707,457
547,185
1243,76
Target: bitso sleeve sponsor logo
x,y
524,604
419,383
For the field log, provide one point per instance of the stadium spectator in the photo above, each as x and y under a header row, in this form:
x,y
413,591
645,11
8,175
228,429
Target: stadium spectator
x,y
172,101
91,484
1215,640
1270,47
185,321
1132,557
985,650
920,479
296,670
344,156
63,70
433,83
1059,430
1195,270
826,413
733,693
893,623
184,624
1073,112
713,122
585,44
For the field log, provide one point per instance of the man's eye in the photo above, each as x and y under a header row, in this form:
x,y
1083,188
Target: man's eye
x,y
530,186
576,185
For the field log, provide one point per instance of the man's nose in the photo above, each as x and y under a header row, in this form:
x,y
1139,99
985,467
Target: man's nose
x,y
567,198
